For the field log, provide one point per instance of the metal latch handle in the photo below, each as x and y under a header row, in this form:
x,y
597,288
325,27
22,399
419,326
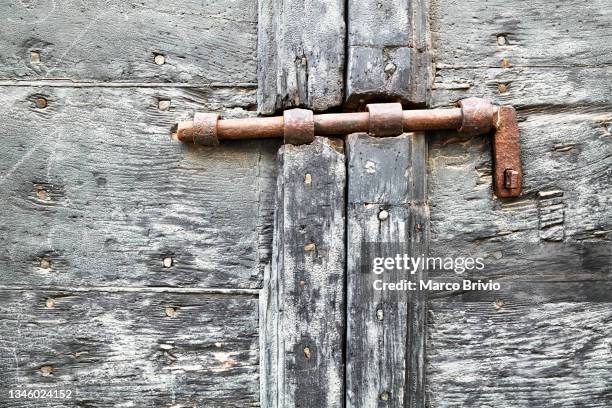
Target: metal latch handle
x,y
474,116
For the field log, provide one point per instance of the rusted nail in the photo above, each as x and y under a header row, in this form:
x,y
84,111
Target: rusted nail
x,y
511,179
370,167
390,68
41,193
163,104
170,311
46,371
159,59
167,262
41,103
383,215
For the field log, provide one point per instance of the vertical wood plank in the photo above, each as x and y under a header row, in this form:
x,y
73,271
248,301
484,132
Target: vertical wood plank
x,y
388,53
387,214
301,49
303,300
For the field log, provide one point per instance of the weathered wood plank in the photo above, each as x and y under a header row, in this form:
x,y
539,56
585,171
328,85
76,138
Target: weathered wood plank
x,y
387,205
303,302
535,33
535,54
94,192
301,51
129,349
200,43
487,355
525,87
388,51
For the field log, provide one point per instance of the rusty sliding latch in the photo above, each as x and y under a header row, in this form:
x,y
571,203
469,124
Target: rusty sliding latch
x,y
473,116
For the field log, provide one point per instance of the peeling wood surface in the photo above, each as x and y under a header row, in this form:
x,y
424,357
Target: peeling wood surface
x,y
301,54
303,300
129,349
545,327
385,329
94,185
388,51
210,42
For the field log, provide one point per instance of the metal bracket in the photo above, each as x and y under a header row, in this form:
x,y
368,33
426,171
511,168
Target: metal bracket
x,y
473,116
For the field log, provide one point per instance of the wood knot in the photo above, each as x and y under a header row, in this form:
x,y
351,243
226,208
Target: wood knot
x,y
171,311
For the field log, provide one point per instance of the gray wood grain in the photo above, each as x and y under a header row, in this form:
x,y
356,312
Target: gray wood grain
x,y
535,54
552,354
385,329
95,186
388,51
301,54
202,42
141,349
303,300
528,34
541,340
525,87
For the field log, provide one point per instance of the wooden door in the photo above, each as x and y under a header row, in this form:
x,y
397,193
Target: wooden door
x,y
137,271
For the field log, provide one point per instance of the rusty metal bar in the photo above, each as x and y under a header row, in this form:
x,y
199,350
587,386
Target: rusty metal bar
x,y
327,124
298,126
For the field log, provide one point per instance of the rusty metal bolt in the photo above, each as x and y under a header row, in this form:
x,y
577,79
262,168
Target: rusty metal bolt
x,y
298,126
205,129
477,116
511,179
41,103
385,119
